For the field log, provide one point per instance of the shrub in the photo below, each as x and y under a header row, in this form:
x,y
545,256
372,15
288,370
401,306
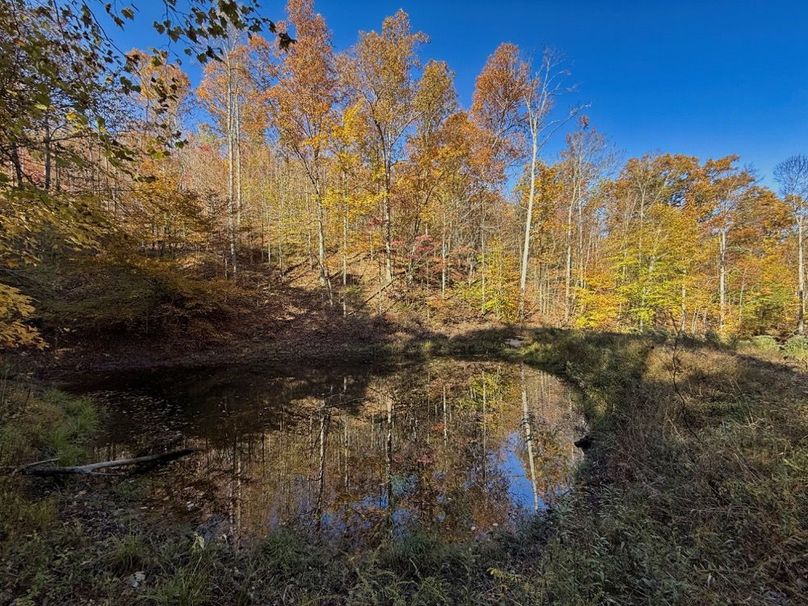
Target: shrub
x,y
797,348
759,344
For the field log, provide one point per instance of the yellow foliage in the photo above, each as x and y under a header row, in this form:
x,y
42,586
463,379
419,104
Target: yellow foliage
x,y
15,309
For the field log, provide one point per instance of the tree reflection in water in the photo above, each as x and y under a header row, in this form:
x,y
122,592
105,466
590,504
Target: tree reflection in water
x,y
460,447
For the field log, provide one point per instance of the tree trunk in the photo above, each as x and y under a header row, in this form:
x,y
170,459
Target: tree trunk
x,y
387,227
47,154
529,441
722,280
325,279
237,154
443,257
15,160
568,269
231,175
801,276
344,257
482,271
93,468
529,217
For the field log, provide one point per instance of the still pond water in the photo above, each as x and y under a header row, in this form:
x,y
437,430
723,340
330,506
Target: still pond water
x,y
463,448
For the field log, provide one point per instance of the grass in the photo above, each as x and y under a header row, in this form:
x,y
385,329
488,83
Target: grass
x,y
693,493
127,554
43,423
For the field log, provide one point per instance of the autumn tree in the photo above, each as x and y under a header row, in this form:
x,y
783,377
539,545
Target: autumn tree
x,y
792,175
762,297
303,103
380,76
582,164
726,184
229,93
514,102
429,159
350,194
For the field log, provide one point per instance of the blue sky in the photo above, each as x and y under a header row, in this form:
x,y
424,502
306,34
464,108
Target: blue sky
x,y
705,78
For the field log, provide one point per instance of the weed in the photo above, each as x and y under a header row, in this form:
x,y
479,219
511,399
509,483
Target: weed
x,y
796,348
127,554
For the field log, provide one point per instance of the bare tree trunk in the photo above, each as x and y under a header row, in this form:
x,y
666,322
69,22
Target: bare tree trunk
x,y
47,154
568,269
231,157
529,217
388,238
722,279
387,227
237,154
15,160
443,256
445,419
93,468
482,269
325,278
801,276
344,257
529,442
683,308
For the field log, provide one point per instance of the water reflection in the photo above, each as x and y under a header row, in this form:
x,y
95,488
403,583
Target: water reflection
x,y
464,447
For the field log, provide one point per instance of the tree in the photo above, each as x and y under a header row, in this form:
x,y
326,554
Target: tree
x,y
379,74
66,123
763,295
303,103
726,185
429,160
581,164
515,102
231,93
792,175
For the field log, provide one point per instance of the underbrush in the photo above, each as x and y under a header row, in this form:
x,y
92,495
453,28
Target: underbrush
x,y
107,297
793,349
44,423
36,424
694,490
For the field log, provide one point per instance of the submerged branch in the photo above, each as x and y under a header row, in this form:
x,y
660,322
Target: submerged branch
x,y
92,468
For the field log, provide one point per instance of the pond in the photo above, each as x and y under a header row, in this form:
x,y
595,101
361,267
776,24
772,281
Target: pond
x,y
463,448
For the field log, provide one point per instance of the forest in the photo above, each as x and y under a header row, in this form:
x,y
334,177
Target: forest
x,y
433,291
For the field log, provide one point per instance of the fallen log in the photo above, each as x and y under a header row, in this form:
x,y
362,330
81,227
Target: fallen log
x,y
22,468
36,469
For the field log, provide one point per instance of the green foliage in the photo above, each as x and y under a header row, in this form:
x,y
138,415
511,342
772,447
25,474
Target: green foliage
x,y
797,348
760,343
48,424
127,554
185,587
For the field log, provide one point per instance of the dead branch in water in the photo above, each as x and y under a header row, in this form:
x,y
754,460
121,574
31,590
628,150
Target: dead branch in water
x,y
92,468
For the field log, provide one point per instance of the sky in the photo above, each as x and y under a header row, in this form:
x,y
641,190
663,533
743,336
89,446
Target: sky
x,y
706,78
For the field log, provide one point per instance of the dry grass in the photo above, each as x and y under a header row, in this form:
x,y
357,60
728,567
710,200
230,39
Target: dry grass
x,y
695,490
